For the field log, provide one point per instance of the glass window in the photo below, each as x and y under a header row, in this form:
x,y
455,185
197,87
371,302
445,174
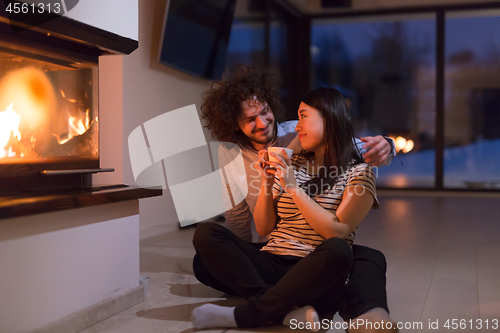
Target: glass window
x,y
282,56
279,58
472,100
385,68
247,40
246,44
255,22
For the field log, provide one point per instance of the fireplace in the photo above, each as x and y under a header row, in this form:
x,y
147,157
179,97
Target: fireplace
x,y
49,115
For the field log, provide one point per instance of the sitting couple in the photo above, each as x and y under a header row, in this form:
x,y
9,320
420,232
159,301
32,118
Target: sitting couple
x,y
308,207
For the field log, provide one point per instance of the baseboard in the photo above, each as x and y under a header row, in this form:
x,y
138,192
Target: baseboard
x,y
80,320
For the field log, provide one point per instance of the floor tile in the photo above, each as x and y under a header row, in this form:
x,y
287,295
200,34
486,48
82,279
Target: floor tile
x,y
448,299
442,256
488,272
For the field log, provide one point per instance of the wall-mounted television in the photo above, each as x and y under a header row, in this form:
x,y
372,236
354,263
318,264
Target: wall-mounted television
x,y
195,36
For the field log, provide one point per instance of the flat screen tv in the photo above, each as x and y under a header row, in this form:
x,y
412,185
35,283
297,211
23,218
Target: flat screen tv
x,y
195,36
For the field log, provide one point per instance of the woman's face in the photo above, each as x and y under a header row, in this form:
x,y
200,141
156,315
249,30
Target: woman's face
x,y
311,129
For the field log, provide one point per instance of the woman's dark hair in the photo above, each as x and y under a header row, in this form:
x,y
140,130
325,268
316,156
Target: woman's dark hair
x,y
340,148
221,106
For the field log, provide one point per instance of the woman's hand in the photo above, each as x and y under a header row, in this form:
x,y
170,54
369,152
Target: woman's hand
x,y
264,215
285,173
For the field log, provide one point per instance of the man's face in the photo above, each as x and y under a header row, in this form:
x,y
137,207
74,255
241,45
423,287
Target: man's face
x,y
256,121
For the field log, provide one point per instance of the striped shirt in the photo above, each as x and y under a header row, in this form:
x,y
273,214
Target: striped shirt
x,y
292,234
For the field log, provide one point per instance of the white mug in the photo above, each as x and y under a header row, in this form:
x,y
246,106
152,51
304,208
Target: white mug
x,y
279,151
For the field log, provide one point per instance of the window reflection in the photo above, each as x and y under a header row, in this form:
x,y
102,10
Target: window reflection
x,y
385,67
246,44
247,39
472,100
256,22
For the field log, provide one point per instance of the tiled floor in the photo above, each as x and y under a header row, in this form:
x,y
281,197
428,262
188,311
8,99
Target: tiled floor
x,y
443,263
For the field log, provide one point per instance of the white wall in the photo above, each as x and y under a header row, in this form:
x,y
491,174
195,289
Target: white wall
x,y
151,89
55,264
133,89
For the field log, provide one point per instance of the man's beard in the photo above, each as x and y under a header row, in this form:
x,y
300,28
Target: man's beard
x,y
267,139
263,142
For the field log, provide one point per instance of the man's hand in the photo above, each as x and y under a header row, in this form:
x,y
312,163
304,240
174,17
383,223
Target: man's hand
x,y
379,149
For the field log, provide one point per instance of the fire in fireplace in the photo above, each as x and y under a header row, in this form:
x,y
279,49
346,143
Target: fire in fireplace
x,y
49,112
48,121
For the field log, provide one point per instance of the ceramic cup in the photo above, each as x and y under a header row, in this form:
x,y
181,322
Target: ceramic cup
x,y
279,151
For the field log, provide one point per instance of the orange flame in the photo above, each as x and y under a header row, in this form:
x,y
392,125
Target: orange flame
x,y
76,126
9,123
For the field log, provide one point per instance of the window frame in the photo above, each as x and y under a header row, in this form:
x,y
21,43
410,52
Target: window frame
x,y
440,14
